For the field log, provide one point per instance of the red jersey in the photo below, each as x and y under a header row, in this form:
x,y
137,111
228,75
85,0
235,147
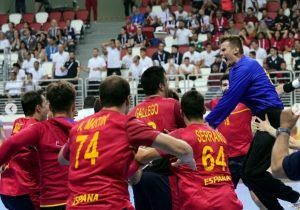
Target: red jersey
x,y
236,128
210,186
21,175
159,113
100,155
48,137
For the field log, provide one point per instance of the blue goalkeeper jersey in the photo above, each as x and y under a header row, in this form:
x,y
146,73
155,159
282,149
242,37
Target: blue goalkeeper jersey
x,y
250,84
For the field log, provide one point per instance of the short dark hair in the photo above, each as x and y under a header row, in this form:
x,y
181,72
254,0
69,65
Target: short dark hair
x,y
192,104
224,77
97,105
17,65
61,95
234,41
152,78
89,102
114,91
173,94
143,49
30,100
175,46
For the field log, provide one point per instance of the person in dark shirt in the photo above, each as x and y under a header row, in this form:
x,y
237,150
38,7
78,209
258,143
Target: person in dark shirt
x,y
176,55
161,56
73,66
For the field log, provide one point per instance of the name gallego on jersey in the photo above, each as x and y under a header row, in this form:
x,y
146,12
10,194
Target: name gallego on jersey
x,y
146,111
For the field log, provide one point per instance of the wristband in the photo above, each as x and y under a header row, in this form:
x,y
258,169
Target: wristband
x,y
283,130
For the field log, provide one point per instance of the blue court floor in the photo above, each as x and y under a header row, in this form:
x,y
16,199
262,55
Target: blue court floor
x,y
243,194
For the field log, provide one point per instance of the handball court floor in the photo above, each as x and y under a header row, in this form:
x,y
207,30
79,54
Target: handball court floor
x,y
243,194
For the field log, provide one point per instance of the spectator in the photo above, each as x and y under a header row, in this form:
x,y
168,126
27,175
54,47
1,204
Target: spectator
x,y
136,69
180,13
194,56
213,80
42,37
150,17
28,62
277,41
161,56
171,69
207,57
221,63
62,39
204,21
273,60
13,87
89,4
251,17
22,52
171,24
263,42
165,14
51,48
37,72
219,22
53,30
88,108
29,39
10,33
69,31
128,4
289,42
29,84
282,19
261,53
26,26
20,72
137,18
4,43
295,19
140,39
231,28
59,60
40,51
197,3
296,56
72,66
286,9
186,68
113,57
177,56
127,59
124,38
16,41
96,67
130,28
245,37
182,34
193,23
145,61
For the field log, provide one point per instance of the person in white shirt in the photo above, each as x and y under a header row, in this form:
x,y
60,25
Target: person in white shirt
x,y
194,56
208,56
180,13
164,15
186,67
29,84
59,60
182,34
145,61
38,73
127,59
4,43
28,62
13,87
136,69
88,108
204,22
171,69
96,67
261,53
20,72
113,57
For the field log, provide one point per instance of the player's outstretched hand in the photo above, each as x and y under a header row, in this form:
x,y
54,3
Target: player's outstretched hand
x,y
187,161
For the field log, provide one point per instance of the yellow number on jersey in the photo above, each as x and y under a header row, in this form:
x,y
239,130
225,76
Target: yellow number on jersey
x,y
91,151
209,161
152,125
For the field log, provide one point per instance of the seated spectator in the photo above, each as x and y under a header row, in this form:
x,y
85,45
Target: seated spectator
x,y
59,60
88,108
145,61
39,51
20,72
274,60
180,13
286,9
124,38
182,34
160,57
207,57
176,55
282,19
213,40
263,41
26,26
261,53
22,52
232,29
171,69
266,19
10,33
72,66
219,22
295,19
150,17
29,84
198,44
4,43
213,81
16,41
194,56
289,42
42,37
187,68
37,72
69,31
171,24
193,23
13,87
137,18
245,36
136,69
251,17
62,38
140,39
204,21
130,28
29,39
221,63
28,62
53,30
296,56
127,59
51,48
277,41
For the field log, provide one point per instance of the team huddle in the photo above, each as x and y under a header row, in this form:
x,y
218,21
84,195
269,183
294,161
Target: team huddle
x,y
173,157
